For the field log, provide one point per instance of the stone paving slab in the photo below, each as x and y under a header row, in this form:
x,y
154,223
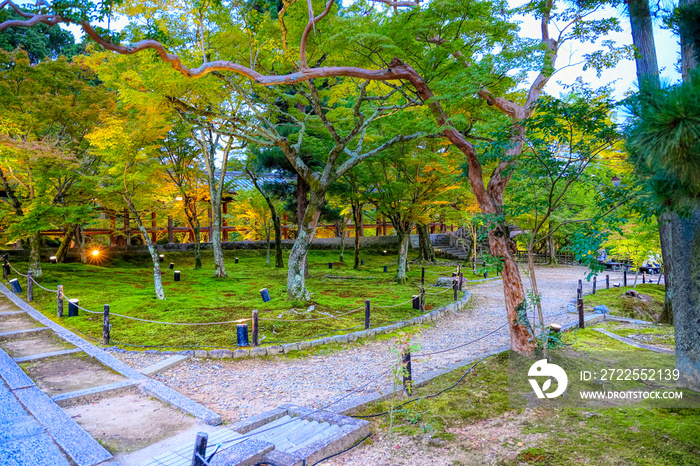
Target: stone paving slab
x,y
13,375
180,401
93,393
78,445
23,441
16,333
11,313
47,355
164,365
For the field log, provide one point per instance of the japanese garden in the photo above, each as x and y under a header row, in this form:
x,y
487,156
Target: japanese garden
x,y
391,232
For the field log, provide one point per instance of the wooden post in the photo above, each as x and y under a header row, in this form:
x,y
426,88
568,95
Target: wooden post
x,y
5,267
225,223
59,302
30,286
579,305
112,228
105,325
154,227
422,299
644,277
595,280
407,375
454,288
580,287
171,236
624,277
422,276
200,449
367,313
255,327
127,228
461,280
607,282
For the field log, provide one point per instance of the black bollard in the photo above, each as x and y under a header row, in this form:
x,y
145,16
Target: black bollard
x,y
242,334
265,295
72,307
607,282
176,275
161,258
172,265
624,278
330,265
386,269
416,301
362,262
16,287
235,261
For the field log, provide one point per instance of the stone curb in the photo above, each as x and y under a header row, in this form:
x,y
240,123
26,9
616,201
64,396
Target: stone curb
x,y
345,339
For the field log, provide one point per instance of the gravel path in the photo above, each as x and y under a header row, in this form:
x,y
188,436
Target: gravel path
x,y
238,389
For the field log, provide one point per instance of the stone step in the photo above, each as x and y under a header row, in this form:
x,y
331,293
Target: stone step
x,y
21,333
34,357
164,365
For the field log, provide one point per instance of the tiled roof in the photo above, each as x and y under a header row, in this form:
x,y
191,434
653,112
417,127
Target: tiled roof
x,y
239,181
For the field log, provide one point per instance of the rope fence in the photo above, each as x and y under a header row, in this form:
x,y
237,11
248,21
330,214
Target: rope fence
x,y
420,299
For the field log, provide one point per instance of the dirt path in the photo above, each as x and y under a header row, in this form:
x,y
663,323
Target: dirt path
x,y
241,388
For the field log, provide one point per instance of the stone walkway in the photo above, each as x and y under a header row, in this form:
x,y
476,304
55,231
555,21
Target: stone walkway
x,y
238,389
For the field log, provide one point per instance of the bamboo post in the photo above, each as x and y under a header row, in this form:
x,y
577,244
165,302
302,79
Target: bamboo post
x,y
105,325
367,314
407,375
255,327
200,449
30,286
59,302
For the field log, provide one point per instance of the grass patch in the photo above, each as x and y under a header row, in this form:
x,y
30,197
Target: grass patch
x,y
627,306
631,434
126,284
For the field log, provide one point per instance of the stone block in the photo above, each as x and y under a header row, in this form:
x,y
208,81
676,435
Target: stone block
x,y
276,349
241,353
342,339
258,351
201,354
220,353
352,337
304,345
290,347
317,342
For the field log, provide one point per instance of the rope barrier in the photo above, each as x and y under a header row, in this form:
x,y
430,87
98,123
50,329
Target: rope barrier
x,y
393,305
16,271
311,320
462,345
43,288
440,292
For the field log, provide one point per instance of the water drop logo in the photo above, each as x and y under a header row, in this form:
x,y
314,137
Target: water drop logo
x,y
544,369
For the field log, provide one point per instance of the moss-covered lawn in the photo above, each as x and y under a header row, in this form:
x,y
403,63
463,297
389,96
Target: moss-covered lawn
x,y
126,284
475,418
626,306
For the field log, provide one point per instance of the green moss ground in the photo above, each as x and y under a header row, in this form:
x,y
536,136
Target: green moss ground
x,y
632,434
126,284
626,306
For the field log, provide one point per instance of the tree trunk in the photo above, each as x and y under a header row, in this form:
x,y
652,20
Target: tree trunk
x,y
267,240
689,56
35,254
65,244
403,231
215,234
357,219
643,40
426,252
536,294
342,242
157,279
683,269
522,339
296,273
302,204
80,241
279,261
666,316
197,247
552,246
